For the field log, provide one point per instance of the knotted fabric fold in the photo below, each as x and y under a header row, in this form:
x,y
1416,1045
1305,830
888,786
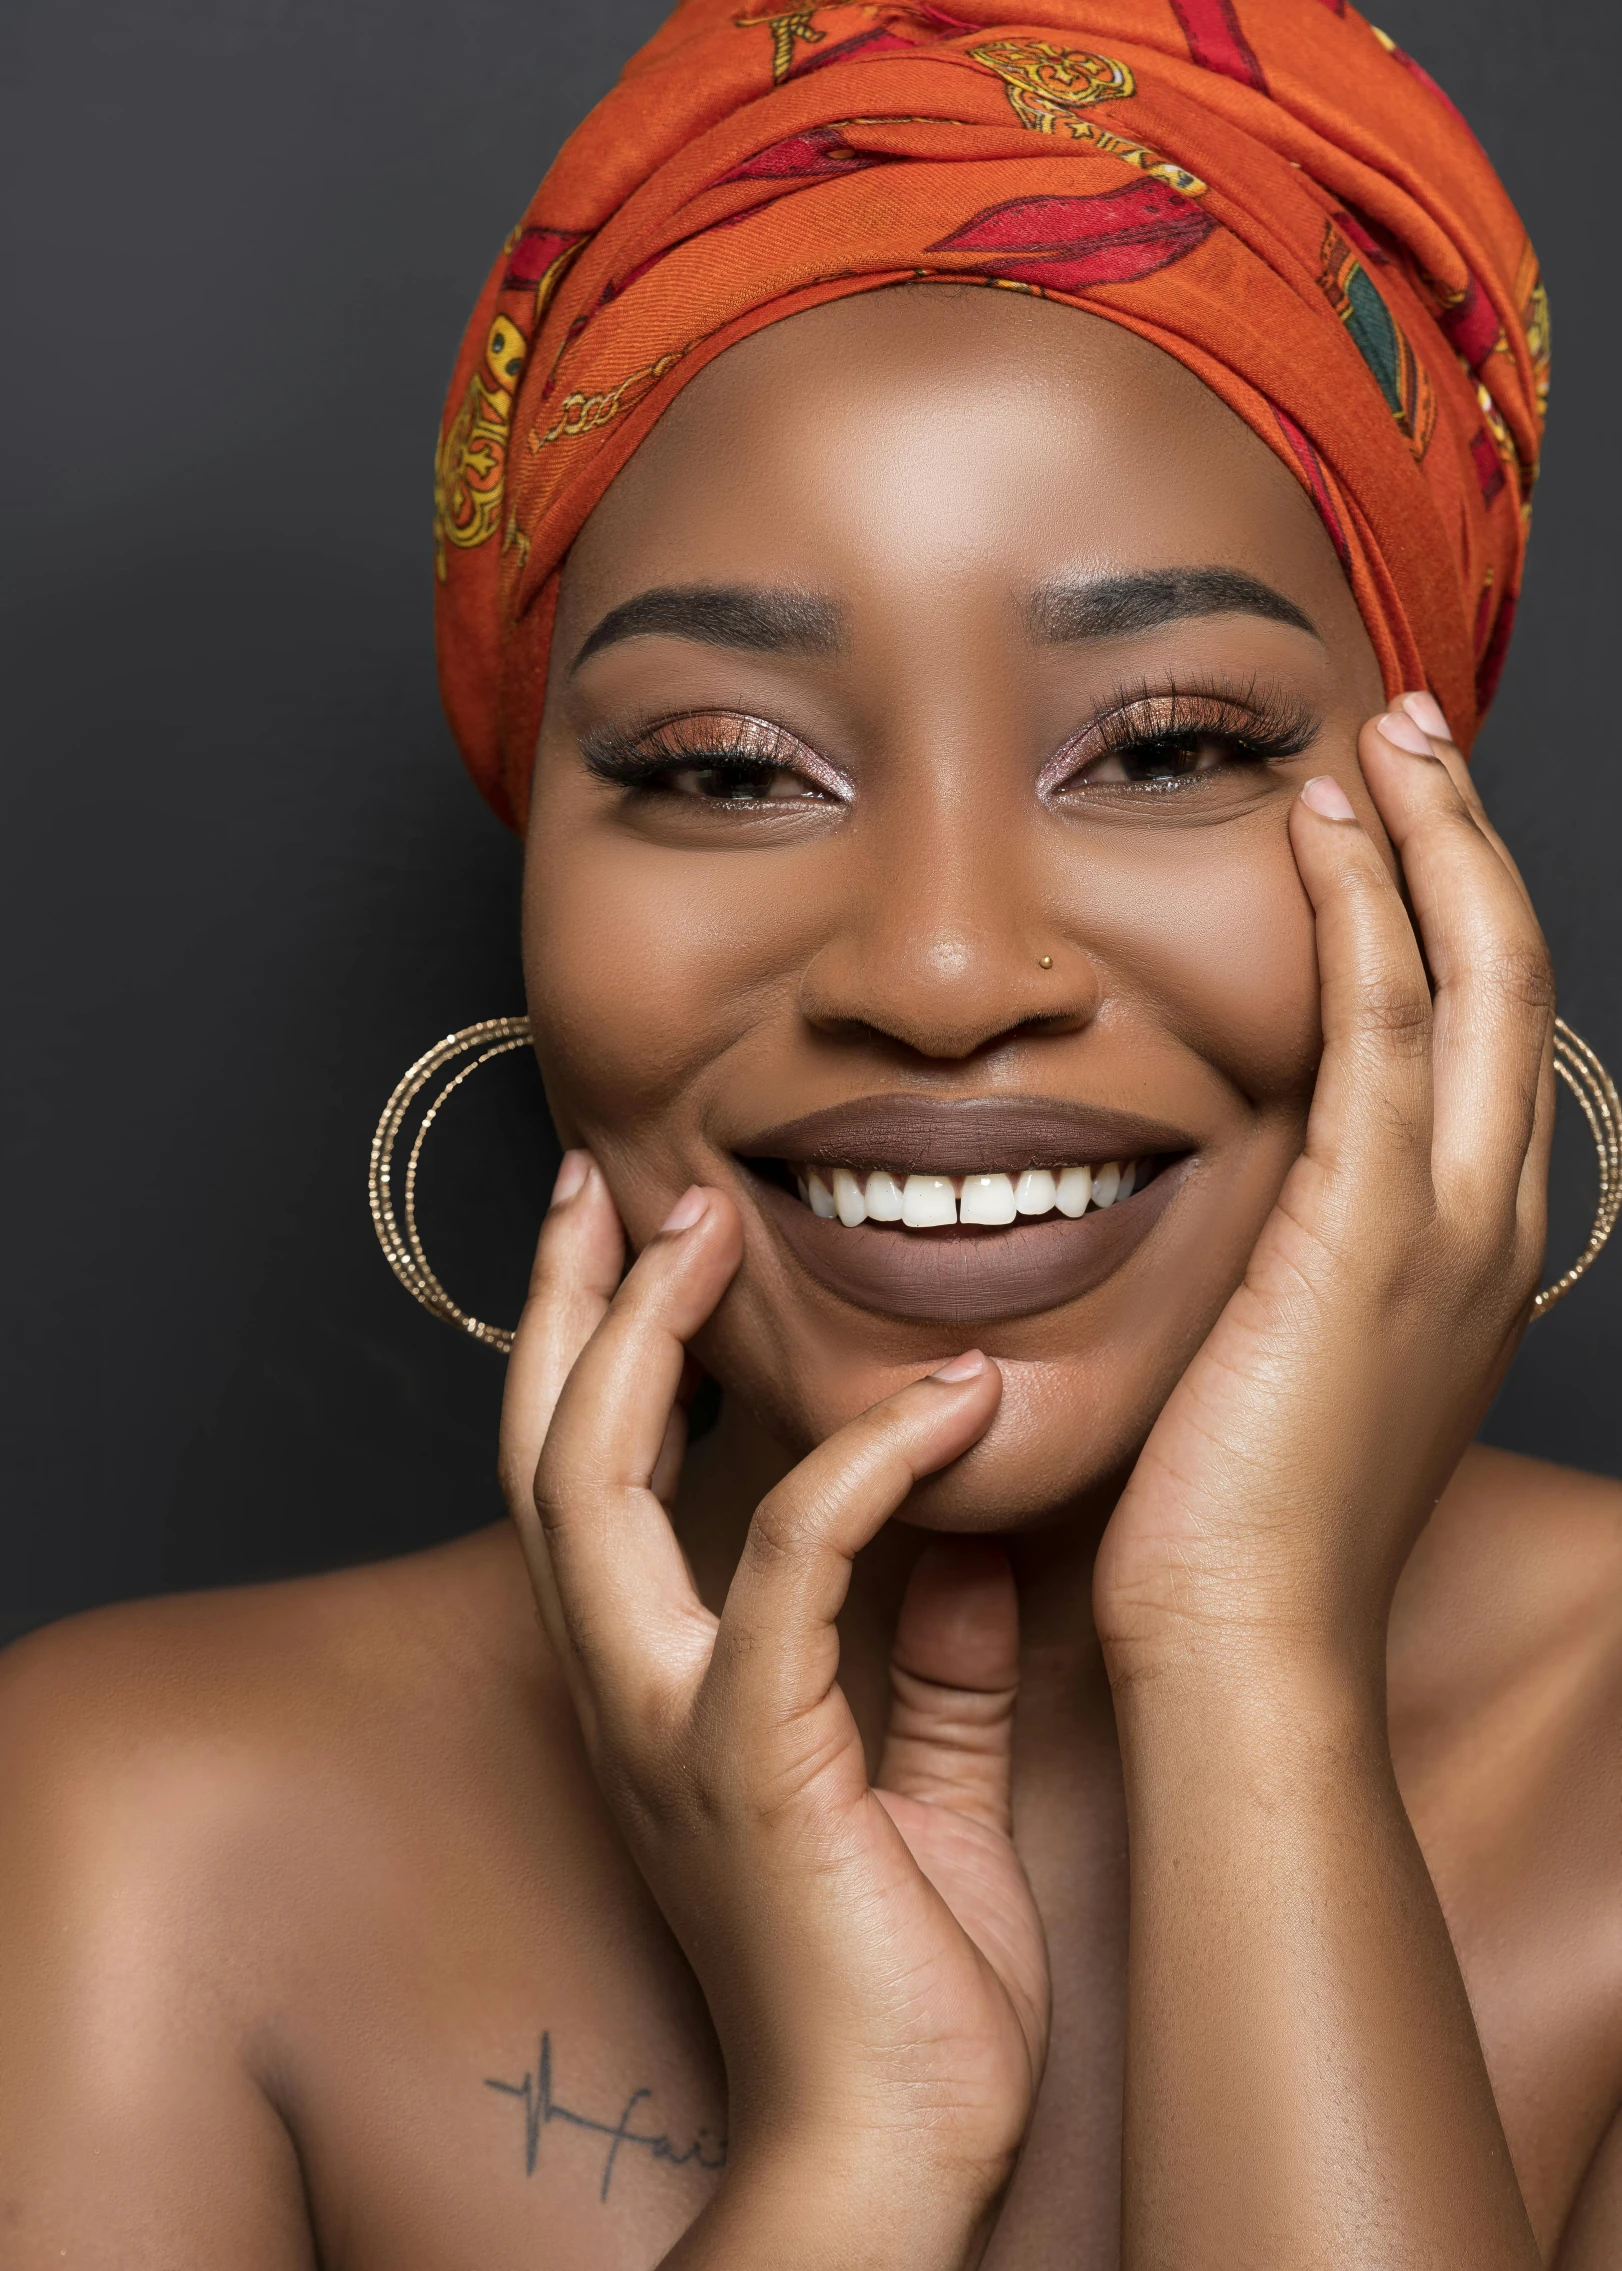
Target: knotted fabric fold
x,y
1269,190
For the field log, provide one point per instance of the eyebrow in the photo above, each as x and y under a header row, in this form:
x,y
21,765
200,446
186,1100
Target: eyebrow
x,y
723,615
1115,606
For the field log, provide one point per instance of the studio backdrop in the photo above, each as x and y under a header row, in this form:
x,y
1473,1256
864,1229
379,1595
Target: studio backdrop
x,y
245,879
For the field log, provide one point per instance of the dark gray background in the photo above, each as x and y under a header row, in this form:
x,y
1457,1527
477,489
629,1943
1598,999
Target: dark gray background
x,y
245,882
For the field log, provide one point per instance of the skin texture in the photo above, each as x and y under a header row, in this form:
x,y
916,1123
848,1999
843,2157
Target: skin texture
x,y
290,1877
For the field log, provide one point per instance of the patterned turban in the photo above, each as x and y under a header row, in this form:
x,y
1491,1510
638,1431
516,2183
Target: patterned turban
x,y
1269,190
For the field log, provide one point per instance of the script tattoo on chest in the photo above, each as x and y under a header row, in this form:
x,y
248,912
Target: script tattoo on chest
x,y
541,2108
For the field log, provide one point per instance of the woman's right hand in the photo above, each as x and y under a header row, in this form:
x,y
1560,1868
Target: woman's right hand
x,y
871,1954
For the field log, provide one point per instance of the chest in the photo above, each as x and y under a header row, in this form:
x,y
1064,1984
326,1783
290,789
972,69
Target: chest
x,y
502,2057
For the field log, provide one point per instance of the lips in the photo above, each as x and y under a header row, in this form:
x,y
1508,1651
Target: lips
x,y
962,1273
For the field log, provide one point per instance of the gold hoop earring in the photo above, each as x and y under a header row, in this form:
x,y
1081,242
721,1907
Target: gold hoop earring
x,y
494,1037
1595,1091
1574,1061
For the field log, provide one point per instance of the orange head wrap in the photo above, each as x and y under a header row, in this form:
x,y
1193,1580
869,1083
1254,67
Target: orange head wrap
x,y
1269,190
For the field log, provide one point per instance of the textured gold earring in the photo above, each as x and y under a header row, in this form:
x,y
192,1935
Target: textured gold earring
x,y
1574,1061
404,1254
1595,1091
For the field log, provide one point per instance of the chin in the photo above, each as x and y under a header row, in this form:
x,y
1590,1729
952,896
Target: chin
x,y
1069,1427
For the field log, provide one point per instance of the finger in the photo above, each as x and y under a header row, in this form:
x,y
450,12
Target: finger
x,y
1532,1191
954,1677
666,1476
777,1652
624,1599
1427,714
577,1266
1532,1194
1494,993
1371,1107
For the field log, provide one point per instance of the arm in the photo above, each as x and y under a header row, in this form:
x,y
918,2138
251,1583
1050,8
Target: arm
x,y
132,2135
1305,2085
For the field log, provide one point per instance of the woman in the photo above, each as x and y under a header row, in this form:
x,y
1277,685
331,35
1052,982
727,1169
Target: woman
x,y
1083,1763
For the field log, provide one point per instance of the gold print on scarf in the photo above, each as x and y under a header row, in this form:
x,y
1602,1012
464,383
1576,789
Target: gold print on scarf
x,y
1048,88
471,464
1533,301
785,30
584,413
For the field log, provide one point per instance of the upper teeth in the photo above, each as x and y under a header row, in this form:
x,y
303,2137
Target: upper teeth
x,y
929,1202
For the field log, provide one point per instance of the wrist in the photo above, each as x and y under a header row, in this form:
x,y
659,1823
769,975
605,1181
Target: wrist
x,y
1265,1707
1248,1665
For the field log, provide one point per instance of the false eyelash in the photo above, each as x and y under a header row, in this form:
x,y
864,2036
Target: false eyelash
x,y
722,744
1262,722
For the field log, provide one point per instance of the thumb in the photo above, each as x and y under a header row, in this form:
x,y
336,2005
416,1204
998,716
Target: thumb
x,y
954,1675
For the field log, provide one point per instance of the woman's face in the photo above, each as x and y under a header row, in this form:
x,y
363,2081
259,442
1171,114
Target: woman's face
x,y
927,698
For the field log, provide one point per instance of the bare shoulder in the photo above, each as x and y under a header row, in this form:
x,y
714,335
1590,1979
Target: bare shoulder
x,y
210,1789
1506,1718
249,1841
209,1700
1505,1671
1517,1579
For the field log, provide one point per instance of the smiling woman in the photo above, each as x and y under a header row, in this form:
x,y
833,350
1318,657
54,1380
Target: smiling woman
x,y
941,693
960,543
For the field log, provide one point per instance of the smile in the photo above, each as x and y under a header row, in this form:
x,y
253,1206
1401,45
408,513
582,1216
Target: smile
x,y
989,1200
889,1203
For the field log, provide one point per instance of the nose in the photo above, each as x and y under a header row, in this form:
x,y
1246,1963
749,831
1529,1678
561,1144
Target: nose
x,y
948,942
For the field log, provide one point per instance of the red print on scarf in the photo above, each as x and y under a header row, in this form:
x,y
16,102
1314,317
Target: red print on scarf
x,y
1069,243
1211,28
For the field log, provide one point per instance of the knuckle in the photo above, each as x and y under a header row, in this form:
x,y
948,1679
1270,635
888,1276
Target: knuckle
x,y
777,1535
1393,1008
1521,974
1487,1269
1363,881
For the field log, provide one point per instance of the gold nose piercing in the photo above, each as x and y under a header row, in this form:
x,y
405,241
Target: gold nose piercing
x,y
1045,962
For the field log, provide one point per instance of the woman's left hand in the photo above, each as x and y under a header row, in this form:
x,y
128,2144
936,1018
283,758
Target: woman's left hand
x,y
1304,2080
1290,1472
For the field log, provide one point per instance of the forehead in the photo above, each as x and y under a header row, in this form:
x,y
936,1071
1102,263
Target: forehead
x,y
947,436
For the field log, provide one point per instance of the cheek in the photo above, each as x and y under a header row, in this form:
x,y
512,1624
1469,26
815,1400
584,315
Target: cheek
x,y
1222,945
620,978
647,971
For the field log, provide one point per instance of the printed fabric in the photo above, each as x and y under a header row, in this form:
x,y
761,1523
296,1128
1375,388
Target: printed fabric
x,y
1269,190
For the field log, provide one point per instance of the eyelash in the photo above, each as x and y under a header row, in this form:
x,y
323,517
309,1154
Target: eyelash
x,y
739,747
1260,725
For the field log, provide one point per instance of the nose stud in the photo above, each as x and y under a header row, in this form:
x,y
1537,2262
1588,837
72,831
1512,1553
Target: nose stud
x,y
1044,962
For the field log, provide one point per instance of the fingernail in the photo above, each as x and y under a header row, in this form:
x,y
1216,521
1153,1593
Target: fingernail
x,y
1426,712
688,1208
571,1176
964,1367
1400,730
1324,795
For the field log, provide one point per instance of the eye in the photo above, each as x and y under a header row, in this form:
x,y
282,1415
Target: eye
x,y
1173,741
1169,757
716,759
736,780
